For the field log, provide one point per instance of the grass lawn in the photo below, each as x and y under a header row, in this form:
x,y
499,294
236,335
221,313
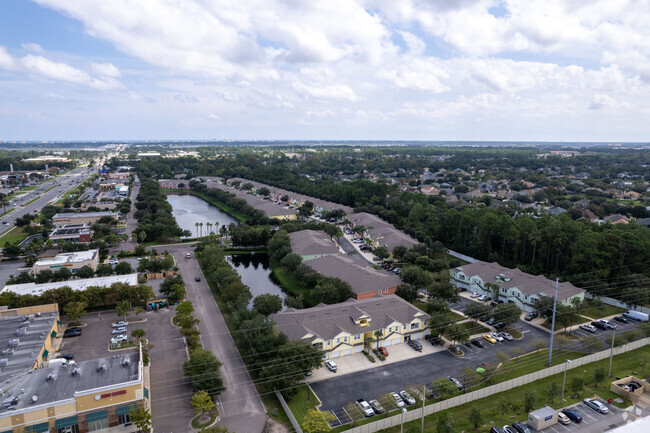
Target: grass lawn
x,y
506,407
575,321
9,211
515,333
214,413
299,404
597,310
32,201
293,286
15,235
533,362
475,328
273,408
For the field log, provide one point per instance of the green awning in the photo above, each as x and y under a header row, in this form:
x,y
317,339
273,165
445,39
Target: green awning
x,y
96,416
146,392
66,422
53,334
45,353
43,427
123,410
58,322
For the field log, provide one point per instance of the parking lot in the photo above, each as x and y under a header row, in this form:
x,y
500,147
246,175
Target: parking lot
x,y
592,421
167,355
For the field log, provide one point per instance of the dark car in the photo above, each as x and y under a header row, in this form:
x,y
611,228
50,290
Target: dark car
x,y
598,324
431,339
74,332
415,345
521,427
572,414
499,325
620,319
490,321
478,343
197,278
496,429
66,356
509,429
431,393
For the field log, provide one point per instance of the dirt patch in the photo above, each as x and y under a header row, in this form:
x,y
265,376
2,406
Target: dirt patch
x,y
272,426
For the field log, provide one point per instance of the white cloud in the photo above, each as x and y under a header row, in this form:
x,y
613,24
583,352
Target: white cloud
x,y
600,101
31,46
338,92
6,60
214,116
105,69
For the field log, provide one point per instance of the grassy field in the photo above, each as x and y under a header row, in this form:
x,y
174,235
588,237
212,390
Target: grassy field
x,y
28,188
293,286
9,211
15,235
532,362
598,310
32,201
576,321
302,402
506,407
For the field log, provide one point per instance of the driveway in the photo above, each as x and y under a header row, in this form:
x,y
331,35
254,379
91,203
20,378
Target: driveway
x,y
241,408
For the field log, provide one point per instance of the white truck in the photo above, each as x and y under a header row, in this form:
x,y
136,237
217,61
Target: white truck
x,y
636,315
59,362
365,407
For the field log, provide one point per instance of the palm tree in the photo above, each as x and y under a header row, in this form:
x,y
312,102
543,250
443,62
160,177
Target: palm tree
x,y
208,227
201,228
3,203
369,341
379,334
223,230
142,236
197,229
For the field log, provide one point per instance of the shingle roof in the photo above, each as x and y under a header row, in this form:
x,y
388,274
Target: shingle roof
x,y
526,283
361,278
327,321
306,242
381,231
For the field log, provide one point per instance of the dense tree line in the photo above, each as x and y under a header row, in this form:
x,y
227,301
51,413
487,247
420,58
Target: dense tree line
x,y
93,297
154,213
279,363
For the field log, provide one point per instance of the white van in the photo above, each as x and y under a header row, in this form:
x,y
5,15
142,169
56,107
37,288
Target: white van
x,y
636,315
58,362
188,255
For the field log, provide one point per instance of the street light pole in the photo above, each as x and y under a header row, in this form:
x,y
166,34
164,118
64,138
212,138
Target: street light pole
x,y
401,420
550,348
566,364
611,353
424,399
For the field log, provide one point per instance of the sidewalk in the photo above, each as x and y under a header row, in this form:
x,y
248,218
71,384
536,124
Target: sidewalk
x,y
358,361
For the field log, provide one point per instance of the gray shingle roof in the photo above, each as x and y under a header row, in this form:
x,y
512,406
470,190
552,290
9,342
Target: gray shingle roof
x,y
381,231
361,278
327,321
526,283
307,242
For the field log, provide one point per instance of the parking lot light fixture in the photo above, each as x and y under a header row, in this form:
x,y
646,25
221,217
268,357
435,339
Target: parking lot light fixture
x,y
401,420
566,364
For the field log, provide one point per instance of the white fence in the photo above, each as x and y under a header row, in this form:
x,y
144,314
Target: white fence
x,y
617,303
494,389
285,406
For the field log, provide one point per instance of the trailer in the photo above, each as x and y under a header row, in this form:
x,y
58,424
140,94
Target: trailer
x,y
542,418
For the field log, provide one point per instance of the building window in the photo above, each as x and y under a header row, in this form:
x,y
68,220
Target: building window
x,y
123,419
329,341
385,290
98,425
357,336
379,291
404,326
414,326
69,429
390,329
345,339
338,340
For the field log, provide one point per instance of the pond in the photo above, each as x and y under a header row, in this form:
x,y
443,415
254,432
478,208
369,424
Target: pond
x,y
189,210
255,272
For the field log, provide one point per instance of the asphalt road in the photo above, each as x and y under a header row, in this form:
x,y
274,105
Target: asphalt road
x,y
241,408
63,184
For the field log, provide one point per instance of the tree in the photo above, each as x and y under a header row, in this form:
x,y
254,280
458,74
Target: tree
x,y
63,274
306,209
507,313
123,268
141,417
475,417
184,308
445,423
202,402
379,334
85,272
381,252
263,191
598,374
398,252
122,307
202,369
46,275
267,304
292,261
74,310
142,236
104,270
576,384
137,334
552,390
476,311
529,401
591,343
407,292
316,421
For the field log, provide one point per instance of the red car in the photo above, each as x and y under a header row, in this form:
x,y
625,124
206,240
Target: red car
x,y
383,351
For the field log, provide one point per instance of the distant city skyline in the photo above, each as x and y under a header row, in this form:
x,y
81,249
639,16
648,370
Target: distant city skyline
x,y
464,70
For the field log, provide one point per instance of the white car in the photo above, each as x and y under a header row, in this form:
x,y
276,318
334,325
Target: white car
x,y
497,336
113,261
121,330
596,405
563,419
588,327
408,398
398,400
119,339
120,324
506,336
331,365
475,295
365,407
482,298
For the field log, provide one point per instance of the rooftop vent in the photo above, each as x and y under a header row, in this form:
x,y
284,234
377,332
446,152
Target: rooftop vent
x,y
25,324
21,331
51,377
126,362
8,351
3,363
101,368
34,399
76,371
14,342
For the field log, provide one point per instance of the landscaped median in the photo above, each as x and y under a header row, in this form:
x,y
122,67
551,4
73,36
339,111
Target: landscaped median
x,y
520,383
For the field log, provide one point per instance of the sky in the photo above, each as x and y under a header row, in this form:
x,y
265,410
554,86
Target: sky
x,y
511,70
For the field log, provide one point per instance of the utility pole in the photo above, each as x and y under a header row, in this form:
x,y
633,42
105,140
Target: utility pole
x,y
566,364
424,399
611,354
550,348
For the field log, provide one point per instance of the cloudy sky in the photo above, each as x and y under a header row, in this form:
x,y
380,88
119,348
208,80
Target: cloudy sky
x,y
554,70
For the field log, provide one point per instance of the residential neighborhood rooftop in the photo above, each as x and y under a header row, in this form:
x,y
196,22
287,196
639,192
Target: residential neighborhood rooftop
x,y
382,232
312,242
77,285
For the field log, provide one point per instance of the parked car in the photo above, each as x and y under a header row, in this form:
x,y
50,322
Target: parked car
x,y
119,324
383,351
397,271
562,418
376,407
621,319
478,343
598,324
636,315
497,336
572,414
490,321
73,332
66,356
474,295
456,382
197,278
188,255
415,345
588,327
331,365
607,323
365,407
496,429
490,338
121,330
506,336
482,298
508,429
432,339
408,398
521,427
530,316
595,405
499,325
113,261
119,338
397,399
